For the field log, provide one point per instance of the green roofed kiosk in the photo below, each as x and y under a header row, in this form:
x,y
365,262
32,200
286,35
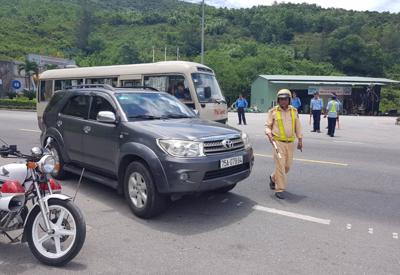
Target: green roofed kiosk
x,y
358,95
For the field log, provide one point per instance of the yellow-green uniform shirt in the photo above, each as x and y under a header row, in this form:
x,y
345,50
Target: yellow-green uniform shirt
x,y
271,124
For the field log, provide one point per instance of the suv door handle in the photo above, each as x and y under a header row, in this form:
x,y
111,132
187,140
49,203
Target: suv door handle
x,y
87,129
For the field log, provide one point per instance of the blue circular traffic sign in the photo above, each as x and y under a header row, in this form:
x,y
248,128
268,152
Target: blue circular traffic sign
x,y
16,84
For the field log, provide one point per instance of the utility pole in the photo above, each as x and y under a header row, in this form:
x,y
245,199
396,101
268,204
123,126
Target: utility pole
x,y
153,55
177,53
202,34
165,54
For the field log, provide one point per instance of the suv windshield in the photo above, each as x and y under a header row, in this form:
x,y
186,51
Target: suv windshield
x,y
152,106
207,88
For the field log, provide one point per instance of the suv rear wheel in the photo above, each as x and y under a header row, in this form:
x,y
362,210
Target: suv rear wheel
x,y
141,193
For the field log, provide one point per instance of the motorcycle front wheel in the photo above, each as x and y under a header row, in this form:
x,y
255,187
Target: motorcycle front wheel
x,y
69,233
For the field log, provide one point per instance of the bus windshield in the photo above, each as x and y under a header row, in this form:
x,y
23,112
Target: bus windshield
x,y
207,88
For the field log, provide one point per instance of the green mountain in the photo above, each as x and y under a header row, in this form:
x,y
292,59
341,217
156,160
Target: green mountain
x,y
240,43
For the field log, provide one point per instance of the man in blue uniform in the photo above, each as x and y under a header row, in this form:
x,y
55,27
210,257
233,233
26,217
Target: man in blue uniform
x,y
241,104
316,107
296,102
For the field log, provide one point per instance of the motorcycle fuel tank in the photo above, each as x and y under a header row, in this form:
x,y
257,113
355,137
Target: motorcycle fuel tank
x,y
14,171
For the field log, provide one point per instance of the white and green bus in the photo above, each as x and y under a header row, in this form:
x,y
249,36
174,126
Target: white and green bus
x,y
193,83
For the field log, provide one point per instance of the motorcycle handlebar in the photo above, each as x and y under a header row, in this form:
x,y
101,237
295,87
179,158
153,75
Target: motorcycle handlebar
x,y
11,150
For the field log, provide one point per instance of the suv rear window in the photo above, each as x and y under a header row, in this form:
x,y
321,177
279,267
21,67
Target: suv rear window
x,y
77,106
53,104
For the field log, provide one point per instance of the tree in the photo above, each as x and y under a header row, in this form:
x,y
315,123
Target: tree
x,y
128,54
84,27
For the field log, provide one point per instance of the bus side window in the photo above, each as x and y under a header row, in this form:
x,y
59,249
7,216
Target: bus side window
x,y
131,83
110,81
65,83
46,90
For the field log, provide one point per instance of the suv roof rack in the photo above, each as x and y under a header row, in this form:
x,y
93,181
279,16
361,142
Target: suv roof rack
x,y
86,86
142,87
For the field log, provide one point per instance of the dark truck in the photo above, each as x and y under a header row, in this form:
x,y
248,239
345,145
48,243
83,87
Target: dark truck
x,y
144,143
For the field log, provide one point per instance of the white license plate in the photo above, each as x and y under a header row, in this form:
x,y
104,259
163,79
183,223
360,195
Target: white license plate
x,y
225,163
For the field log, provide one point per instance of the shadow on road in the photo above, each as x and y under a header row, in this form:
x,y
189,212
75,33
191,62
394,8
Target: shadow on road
x,y
17,258
193,214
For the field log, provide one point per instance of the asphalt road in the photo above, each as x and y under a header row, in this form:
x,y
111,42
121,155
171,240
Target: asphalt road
x,y
342,215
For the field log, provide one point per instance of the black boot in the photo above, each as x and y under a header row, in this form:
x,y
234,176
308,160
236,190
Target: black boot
x,y
271,183
280,195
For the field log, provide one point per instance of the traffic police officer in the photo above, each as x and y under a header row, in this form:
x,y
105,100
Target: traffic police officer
x,y
332,110
282,127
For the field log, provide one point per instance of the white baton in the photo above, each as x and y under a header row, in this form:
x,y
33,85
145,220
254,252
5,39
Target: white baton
x,y
276,149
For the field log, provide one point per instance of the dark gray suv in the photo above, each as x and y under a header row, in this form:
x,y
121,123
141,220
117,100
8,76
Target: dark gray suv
x,y
144,143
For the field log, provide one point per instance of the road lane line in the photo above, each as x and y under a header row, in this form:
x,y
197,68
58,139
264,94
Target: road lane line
x,y
348,226
239,203
292,215
30,130
370,230
309,160
224,200
395,235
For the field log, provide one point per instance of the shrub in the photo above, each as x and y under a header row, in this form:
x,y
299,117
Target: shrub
x,y
11,95
29,94
20,103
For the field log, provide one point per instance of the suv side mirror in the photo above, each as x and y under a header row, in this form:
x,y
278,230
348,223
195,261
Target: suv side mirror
x,y
106,117
196,112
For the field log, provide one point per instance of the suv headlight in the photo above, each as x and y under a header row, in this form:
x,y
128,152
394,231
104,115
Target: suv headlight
x,y
47,164
246,140
181,148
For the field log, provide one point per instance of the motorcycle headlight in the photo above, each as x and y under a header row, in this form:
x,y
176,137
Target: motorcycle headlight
x,y
246,140
181,148
47,164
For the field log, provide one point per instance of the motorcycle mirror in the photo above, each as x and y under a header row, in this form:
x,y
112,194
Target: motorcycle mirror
x,y
48,141
36,151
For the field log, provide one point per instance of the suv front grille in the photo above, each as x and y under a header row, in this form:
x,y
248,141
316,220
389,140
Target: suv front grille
x,y
217,146
210,175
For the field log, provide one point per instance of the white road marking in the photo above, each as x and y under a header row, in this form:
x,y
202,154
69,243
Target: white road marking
x,y
292,215
224,200
348,226
309,160
239,203
395,235
371,230
30,130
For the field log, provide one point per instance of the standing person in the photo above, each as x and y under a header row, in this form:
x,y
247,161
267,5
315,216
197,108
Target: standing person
x,y
316,106
332,109
241,104
282,127
296,102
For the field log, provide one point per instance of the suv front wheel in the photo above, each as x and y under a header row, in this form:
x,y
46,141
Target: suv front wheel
x,y
141,193
60,173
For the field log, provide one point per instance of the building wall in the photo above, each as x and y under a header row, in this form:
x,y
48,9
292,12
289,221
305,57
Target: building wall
x,y
8,73
262,94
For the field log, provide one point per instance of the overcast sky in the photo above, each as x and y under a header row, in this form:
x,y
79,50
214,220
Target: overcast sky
x,y
372,5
